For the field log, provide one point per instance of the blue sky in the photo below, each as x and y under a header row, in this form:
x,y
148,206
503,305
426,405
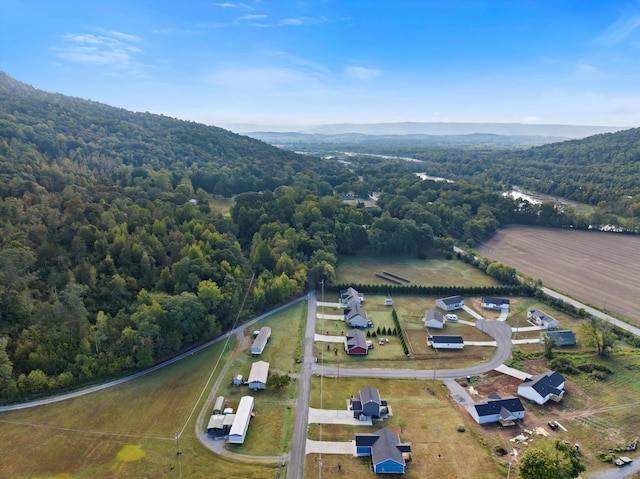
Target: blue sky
x,y
291,62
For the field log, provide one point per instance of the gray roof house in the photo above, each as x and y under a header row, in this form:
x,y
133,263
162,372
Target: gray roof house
x,y
560,338
350,297
542,387
450,303
368,403
261,340
356,317
387,453
540,318
433,319
489,302
356,342
497,409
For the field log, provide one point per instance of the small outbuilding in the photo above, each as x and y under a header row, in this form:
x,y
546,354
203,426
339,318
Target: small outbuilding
x,y
258,375
500,304
387,453
356,317
261,340
218,406
238,430
433,319
542,319
560,338
450,303
238,380
356,343
445,342
542,387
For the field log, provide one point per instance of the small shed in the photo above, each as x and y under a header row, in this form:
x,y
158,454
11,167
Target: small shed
x,y
218,406
237,380
261,340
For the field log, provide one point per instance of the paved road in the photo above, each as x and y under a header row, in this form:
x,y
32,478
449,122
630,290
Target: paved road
x,y
617,473
499,330
593,312
82,392
295,469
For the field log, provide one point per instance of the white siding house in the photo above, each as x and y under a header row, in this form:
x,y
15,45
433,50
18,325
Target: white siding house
x,y
499,304
540,318
445,342
542,387
240,424
433,319
497,409
451,303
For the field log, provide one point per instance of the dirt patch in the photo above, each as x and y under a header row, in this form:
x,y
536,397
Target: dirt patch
x,y
494,381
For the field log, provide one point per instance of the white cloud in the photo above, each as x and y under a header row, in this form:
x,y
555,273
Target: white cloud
x,y
618,31
361,73
587,68
239,77
109,48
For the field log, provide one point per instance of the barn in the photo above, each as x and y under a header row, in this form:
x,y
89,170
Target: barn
x,y
261,340
388,455
258,375
238,430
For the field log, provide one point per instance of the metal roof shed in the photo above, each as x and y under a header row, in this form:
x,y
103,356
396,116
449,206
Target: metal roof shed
x,y
261,340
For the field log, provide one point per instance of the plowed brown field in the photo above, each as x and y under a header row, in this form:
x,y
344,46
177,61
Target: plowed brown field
x,y
601,269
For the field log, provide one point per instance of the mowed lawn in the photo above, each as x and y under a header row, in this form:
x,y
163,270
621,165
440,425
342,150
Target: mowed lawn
x,y
428,272
428,419
598,268
129,430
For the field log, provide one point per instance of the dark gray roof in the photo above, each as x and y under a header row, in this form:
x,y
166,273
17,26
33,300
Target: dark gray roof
x,y
561,338
369,394
355,311
492,300
356,337
447,339
451,299
385,445
494,406
545,383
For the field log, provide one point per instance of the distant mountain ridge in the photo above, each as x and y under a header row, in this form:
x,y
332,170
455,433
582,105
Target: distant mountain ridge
x,y
438,128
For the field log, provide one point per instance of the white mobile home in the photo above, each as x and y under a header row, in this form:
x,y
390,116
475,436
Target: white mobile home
x,y
261,340
240,424
445,342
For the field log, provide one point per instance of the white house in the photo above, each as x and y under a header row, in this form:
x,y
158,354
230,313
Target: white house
x,y
433,319
258,375
261,340
542,387
497,409
445,342
540,318
350,297
500,304
451,303
238,430
356,317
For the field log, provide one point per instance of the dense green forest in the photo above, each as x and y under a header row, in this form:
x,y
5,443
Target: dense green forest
x,y
113,256
602,171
